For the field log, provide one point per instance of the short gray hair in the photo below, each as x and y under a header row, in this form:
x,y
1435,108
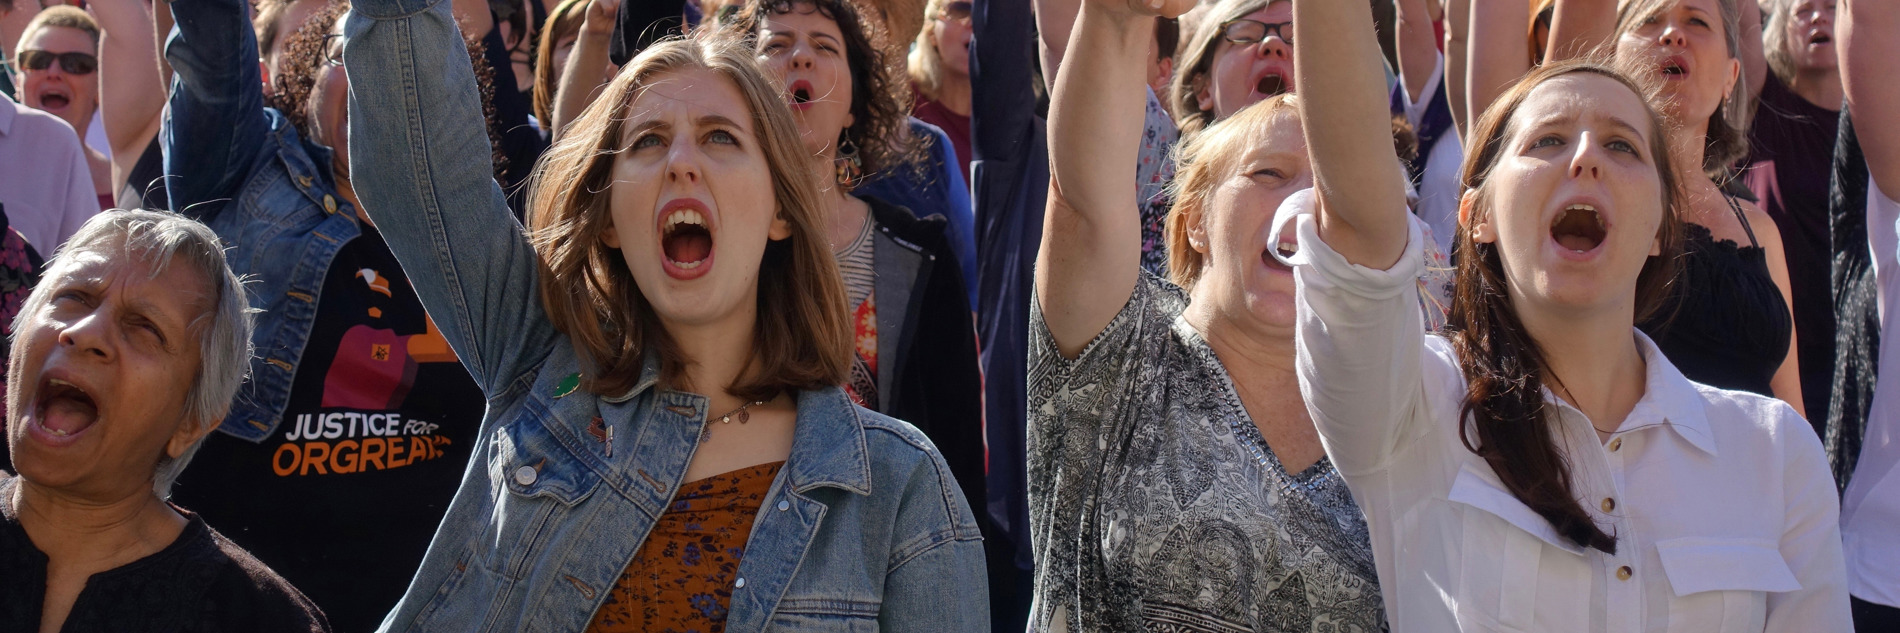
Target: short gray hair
x,y
158,238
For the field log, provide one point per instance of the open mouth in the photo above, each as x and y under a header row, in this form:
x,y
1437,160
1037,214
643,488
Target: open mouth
x,y
801,93
63,409
1674,68
1284,249
1820,38
1579,229
686,242
54,100
1271,85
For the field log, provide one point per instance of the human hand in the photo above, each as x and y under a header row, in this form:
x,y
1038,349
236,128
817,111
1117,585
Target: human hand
x,y
600,17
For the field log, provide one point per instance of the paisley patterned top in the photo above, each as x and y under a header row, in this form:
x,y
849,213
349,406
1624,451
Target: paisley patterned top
x,y
681,580
1155,505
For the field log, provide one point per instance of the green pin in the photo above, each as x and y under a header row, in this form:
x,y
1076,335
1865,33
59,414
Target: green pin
x,y
568,385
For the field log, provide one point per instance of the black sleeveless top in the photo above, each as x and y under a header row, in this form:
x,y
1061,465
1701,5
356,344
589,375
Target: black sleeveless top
x,y
1730,325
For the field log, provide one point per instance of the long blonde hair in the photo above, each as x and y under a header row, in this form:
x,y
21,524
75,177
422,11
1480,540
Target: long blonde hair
x,y
802,337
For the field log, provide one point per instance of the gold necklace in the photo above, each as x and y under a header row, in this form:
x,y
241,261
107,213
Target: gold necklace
x,y
744,415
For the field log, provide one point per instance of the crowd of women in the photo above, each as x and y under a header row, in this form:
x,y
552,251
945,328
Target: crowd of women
x,y
959,315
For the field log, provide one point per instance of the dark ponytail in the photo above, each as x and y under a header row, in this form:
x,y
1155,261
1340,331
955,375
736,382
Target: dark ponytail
x,y
1504,368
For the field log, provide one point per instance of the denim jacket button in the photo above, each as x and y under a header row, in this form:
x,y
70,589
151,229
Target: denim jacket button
x,y
738,584
329,204
525,475
784,505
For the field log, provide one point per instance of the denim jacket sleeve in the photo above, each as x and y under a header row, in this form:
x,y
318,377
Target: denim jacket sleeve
x,y
215,124
423,169
938,583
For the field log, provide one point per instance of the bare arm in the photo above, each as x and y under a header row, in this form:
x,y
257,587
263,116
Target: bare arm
x,y
1055,19
1457,25
1754,60
1417,45
1578,27
131,88
1869,39
1499,52
1786,383
586,70
1091,241
1357,174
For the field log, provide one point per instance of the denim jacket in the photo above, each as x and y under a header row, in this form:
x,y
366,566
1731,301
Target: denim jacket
x,y
863,528
242,169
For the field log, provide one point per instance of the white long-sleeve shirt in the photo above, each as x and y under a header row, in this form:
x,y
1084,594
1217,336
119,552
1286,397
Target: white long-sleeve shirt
x,y
1870,511
1721,503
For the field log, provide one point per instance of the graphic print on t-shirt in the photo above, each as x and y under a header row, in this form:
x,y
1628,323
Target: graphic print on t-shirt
x,y
359,425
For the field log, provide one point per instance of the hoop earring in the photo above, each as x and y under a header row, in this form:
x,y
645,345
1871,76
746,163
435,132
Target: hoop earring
x,y
849,166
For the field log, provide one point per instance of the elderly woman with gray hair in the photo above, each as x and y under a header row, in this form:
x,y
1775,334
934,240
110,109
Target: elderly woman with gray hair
x,y
124,357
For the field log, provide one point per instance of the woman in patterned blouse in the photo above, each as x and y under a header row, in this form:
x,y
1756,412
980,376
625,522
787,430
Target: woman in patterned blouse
x,y
1175,480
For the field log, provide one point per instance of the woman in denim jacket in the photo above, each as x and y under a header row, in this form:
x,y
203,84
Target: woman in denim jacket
x,y
675,317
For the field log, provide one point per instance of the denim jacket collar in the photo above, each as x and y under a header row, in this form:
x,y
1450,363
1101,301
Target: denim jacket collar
x,y
828,447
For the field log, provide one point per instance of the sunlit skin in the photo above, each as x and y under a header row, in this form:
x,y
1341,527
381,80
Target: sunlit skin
x,y
1810,35
807,53
1576,139
329,107
953,45
1233,79
689,143
129,341
1688,35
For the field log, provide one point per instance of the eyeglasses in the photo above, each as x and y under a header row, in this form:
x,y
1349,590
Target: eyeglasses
x,y
333,49
1245,31
72,63
958,11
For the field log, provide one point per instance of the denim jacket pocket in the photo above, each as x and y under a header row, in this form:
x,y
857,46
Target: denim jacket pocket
x,y
825,615
538,484
1722,584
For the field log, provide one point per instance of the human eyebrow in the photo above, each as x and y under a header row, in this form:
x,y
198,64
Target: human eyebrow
x,y
718,120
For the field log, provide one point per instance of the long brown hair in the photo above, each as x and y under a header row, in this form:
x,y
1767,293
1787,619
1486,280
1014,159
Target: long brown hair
x,y
1504,368
802,339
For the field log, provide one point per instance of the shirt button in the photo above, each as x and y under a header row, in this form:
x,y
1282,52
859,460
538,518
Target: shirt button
x,y
525,475
1609,504
738,584
1616,444
784,505
1623,573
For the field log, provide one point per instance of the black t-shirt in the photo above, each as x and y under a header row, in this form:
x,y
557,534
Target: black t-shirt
x,y
343,497
201,582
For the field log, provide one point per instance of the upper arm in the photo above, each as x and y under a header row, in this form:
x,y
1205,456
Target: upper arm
x,y
1580,27
1754,60
1417,48
1498,53
1810,539
131,88
1348,135
215,123
1869,39
1457,60
1055,19
424,173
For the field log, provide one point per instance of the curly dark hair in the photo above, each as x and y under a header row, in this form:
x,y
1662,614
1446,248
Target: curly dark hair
x,y
880,94
303,55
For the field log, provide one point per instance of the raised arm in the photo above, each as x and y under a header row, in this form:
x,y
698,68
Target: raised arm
x,y
131,88
586,70
1498,53
1348,134
1055,23
1578,27
1754,59
1417,44
1091,241
421,161
1457,35
1869,39
215,125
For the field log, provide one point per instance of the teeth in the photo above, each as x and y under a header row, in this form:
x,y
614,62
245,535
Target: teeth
x,y
687,265
56,381
684,216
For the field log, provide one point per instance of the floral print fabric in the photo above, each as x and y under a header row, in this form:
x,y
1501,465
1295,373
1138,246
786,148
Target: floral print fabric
x,y
681,580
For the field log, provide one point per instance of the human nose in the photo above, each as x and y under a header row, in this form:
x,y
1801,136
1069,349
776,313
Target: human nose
x,y
682,164
1672,35
1274,46
802,58
1587,161
89,336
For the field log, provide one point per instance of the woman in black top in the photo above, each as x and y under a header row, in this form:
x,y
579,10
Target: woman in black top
x,y
126,356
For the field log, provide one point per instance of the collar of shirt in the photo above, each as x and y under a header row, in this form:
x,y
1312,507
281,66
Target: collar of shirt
x,y
1667,396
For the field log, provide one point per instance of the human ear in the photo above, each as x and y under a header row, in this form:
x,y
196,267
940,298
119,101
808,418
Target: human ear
x,y
1481,232
188,433
609,236
1197,230
780,229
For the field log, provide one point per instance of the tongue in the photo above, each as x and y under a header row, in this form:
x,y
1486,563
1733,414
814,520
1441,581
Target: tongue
x,y
54,101
1576,242
68,416
688,246
1271,85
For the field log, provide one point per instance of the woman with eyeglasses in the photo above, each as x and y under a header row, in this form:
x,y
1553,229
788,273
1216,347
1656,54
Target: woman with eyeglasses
x,y
940,73
58,62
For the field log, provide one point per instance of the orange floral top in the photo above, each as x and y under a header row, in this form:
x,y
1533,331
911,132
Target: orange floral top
x,y
681,579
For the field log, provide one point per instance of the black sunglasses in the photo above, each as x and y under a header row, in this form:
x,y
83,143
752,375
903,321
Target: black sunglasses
x,y
72,63
958,11
1245,31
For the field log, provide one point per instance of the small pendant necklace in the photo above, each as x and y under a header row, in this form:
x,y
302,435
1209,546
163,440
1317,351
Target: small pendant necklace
x,y
744,415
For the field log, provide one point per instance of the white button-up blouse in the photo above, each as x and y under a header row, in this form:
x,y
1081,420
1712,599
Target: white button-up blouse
x,y
1721,503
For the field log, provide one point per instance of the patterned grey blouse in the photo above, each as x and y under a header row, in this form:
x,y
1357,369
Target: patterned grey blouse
x,y
1155,505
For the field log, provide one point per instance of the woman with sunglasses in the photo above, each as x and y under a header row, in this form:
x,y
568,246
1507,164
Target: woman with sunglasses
x,y
940,73
58,63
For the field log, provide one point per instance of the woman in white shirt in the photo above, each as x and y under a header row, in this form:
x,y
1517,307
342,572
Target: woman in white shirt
x,y
1494,505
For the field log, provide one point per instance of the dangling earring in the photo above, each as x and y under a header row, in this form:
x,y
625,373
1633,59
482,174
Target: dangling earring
x,y
850,167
